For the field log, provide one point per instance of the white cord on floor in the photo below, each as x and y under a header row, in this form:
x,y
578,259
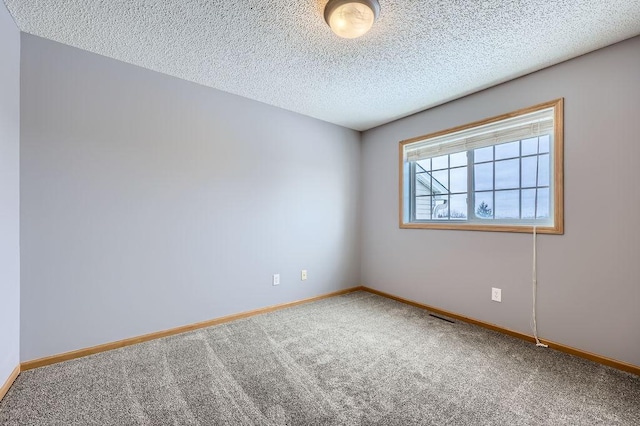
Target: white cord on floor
x,y
535,289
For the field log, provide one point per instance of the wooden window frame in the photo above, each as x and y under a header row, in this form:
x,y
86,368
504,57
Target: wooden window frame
x,y
558,177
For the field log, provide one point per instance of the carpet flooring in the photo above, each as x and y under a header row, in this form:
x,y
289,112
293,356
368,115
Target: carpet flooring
x,y
356,359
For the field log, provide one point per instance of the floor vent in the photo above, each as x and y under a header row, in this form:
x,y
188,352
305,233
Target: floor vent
x,y
442,318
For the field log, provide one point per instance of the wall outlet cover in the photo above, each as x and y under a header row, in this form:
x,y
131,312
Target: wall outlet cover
x,y
496,294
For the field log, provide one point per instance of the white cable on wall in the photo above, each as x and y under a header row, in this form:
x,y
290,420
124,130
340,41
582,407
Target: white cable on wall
x,y
535,288
535,257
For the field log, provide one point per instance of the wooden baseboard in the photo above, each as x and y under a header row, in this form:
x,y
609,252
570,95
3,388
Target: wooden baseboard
x,y
620,365
41,362
7,385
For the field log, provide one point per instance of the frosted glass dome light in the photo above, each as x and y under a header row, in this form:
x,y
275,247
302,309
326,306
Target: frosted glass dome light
x,y
351,18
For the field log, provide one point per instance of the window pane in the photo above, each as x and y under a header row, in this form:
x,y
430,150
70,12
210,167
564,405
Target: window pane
x,y
423,165
508,150
530,146
529,206
459,159
544,143
423,208
483,177
529,172
528,203
483,154
508,174
543,203
543,170
441,209
458,208
507,204
459,180
441,162
440,181
484,205
423,183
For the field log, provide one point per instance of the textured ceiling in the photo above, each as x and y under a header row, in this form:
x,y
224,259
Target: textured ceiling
x,y
418,54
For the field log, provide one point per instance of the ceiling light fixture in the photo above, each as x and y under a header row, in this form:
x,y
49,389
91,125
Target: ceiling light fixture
x,y
351,18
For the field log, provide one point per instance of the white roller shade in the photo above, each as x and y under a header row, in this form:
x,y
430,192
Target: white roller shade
x,y
524,126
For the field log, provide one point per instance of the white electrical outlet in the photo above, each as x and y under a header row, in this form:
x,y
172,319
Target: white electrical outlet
x,y
276,279
496,294
303,275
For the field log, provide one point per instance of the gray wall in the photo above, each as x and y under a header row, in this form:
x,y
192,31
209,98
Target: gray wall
x,y
149,202
589,278
9,195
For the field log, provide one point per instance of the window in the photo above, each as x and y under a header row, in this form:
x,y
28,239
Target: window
x,y
500,174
